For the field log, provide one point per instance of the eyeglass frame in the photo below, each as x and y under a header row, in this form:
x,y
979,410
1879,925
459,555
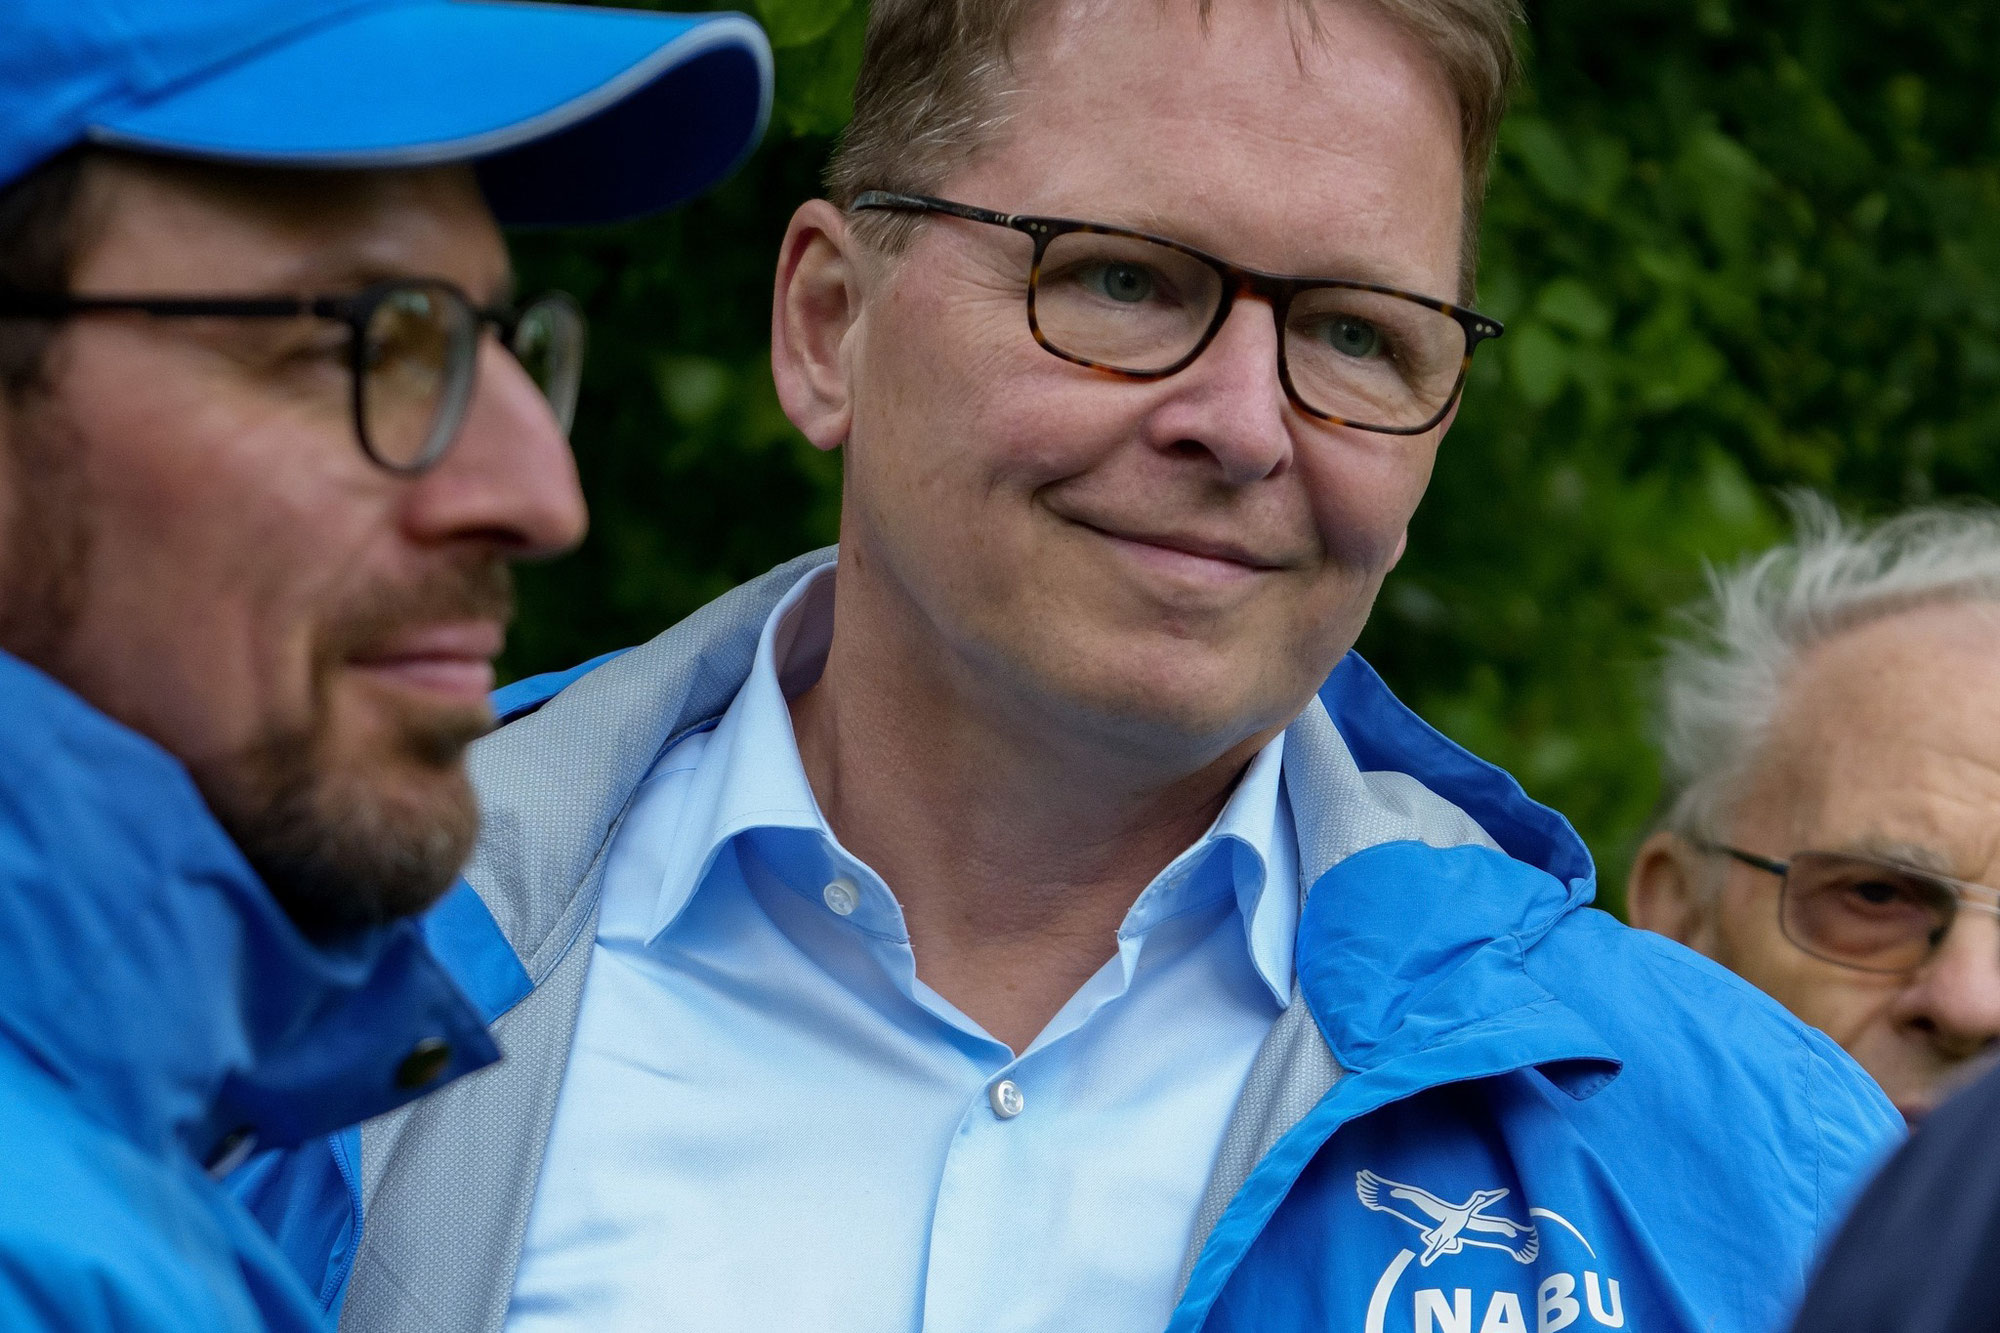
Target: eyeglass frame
x,y
1277,289
354,309
1963,893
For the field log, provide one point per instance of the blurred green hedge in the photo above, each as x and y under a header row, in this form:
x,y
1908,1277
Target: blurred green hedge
x,y
1737,248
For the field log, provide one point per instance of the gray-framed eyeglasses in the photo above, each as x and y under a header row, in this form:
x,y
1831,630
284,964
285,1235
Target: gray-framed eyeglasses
x,y
1864,912
413,350
1144,307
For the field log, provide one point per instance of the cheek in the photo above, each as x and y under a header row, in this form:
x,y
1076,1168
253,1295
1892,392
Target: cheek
x,y
219,538
1363,489
957,403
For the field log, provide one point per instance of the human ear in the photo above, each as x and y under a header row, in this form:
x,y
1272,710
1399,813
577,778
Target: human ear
x,y
1666,891
814,307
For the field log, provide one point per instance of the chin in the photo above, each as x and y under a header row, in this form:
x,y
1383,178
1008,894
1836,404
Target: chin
x,y
1158,703
354,822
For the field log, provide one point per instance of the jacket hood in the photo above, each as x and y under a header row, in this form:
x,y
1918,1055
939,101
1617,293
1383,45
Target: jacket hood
x,y
146,968
1406,948
1383,734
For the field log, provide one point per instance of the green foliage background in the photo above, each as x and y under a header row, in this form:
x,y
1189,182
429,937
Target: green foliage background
x,y
1738,247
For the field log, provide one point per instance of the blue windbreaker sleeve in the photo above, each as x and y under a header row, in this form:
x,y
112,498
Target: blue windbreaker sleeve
x,y
1920,1252
1858,1126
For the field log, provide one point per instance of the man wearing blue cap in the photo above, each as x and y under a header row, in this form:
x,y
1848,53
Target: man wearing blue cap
x,y
271,429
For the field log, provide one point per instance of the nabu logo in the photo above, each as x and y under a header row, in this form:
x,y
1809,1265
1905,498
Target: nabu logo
x,y
1445,1233
1445,1228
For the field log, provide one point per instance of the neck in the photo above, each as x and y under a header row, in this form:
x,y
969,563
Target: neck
x,y
1015,842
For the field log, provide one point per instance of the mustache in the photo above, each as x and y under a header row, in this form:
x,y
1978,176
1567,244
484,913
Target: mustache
x,y
473,588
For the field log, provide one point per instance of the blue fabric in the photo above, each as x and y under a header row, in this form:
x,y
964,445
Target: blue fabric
x,y
155,1002
1659,1125
577,115
728,1002
1618,1132
1921,1251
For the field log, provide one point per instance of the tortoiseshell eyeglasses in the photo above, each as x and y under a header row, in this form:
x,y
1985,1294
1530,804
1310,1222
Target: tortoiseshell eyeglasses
x,y
1142,306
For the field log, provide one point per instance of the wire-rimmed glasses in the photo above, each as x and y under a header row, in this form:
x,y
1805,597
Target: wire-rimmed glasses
x,y
413,348
1142,306
1864,912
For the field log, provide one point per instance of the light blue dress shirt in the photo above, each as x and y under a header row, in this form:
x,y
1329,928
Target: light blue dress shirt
x,y
770,1123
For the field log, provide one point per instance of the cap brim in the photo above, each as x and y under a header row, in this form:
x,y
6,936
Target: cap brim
x,y
573,115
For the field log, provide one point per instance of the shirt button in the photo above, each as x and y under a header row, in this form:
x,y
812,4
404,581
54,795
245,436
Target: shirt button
x,y
841,897
1006,1098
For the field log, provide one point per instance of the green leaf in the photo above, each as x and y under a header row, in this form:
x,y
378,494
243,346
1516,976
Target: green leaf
x,y
800,22
1539,361
1569,304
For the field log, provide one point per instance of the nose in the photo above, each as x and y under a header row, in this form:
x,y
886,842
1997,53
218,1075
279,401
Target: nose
x,y
1230,404
509,479
1955,1000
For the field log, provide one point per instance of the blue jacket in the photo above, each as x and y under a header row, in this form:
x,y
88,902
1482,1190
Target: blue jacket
x,y
157,1009
1489,1108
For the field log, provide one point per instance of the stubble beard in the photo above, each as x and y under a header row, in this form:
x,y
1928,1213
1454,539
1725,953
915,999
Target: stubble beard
x,y
342,843
338,851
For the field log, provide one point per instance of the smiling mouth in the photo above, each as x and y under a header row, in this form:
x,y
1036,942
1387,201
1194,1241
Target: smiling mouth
x,y
451,662
1201,558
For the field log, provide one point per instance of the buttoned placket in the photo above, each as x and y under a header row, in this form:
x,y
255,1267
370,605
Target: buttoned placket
x,y
1000,1135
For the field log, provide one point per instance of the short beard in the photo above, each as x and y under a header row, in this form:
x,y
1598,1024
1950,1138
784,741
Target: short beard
x,y
46,534
338,852
339,848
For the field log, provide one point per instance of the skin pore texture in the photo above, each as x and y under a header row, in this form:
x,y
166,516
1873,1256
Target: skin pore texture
x,y
1886,743
1070,607
310,635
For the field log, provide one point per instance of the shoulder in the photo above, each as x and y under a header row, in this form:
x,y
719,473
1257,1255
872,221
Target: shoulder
x,y
95,1234
1918,1250
1720,1072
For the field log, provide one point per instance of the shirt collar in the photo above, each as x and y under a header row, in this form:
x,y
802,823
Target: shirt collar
x,y
751,778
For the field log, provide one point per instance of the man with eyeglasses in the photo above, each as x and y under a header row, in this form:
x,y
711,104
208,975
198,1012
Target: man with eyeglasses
x,y
1832,740
1008,924
271,429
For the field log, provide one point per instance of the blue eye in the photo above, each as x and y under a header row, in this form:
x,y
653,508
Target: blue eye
x,y
1352,337
1125,283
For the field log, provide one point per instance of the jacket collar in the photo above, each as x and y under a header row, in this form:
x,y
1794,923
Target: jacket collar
x,y
146,969
1383,973
1408,950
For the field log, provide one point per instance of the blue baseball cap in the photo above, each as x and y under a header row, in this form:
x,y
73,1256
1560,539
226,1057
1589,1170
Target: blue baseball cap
x,y
570,114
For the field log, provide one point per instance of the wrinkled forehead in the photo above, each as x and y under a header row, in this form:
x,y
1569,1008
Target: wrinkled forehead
x,y
1296,139
1887,739
150,223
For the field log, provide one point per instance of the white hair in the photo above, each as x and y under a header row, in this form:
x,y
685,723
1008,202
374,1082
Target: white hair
x,y
1722,679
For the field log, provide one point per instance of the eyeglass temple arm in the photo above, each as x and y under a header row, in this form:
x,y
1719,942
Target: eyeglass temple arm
x,y
923,203
1774,866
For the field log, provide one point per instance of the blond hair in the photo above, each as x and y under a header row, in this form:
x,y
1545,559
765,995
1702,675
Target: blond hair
x,y
934,74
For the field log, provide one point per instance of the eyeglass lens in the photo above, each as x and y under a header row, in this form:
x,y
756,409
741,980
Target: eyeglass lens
x,y
548,342
419,354
1133,305
1864,913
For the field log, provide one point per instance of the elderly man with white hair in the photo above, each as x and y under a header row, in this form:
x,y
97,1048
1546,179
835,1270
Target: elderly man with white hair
x,y
1832,831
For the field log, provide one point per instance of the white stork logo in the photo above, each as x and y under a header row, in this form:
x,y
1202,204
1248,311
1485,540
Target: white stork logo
x,y
1450,1225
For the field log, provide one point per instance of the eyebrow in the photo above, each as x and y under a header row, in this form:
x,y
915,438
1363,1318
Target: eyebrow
x,y
1353,268
1915,855
321,273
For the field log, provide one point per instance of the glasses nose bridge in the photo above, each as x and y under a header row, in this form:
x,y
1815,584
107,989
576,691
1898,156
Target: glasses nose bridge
x,y
1276,292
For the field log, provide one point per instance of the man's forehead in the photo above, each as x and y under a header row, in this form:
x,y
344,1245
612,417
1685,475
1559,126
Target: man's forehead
x,y
152,220
1146,115
1887,741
